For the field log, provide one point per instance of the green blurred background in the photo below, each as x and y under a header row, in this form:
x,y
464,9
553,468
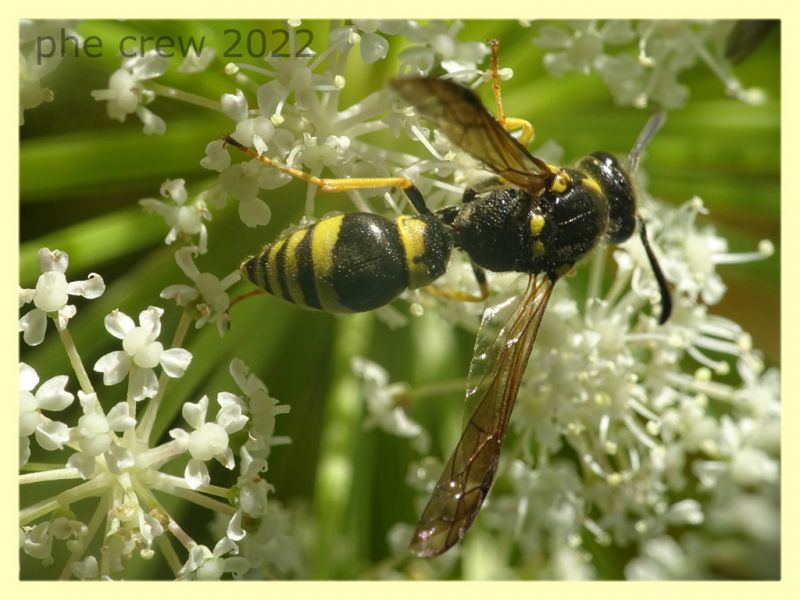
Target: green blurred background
x,y
81,175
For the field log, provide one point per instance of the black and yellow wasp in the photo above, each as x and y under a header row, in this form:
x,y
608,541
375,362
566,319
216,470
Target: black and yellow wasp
x,y
533,218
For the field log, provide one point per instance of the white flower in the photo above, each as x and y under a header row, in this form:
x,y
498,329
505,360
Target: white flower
x,y
262,408
39,56
209,439
382,403
208,296
205,565
87,569
51,295
140,353
665,49
439,42
184,220
241,181
95,435
125,94
51,396
194,62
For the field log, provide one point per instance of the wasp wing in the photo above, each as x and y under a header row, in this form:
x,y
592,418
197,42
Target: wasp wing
x,y
459,114
500,359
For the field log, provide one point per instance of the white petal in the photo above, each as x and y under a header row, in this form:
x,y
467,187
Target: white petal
x,y
52,435
230,279
194,413
119,459
202,244
223,546
185,261
235,530
175,361
152,123
182,294
33,326
216,158
65,313
180,436
143,383
254,212
51,395
231,419
225,458
175,189
90,288
156,206
222,324
24,451
196,474
27,377
52,261
149,527
86,569
89,403
119,417
118,323
114,366
373,47
150,320
151,65
234,106
84,463
240,372
25,295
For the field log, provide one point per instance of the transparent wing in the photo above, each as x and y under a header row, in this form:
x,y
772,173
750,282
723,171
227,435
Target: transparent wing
x,y
469,473
461,116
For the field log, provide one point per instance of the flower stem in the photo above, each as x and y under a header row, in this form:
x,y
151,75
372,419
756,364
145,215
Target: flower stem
x,y
176,94
146,423
91,529
50,475
75,360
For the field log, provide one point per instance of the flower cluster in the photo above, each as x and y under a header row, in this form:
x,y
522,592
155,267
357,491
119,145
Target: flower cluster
x,y
618,443
110,455
648,75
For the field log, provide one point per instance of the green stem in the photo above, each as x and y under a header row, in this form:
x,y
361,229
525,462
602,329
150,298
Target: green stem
x,y
51,475
176,94
146,423
334,482
75,360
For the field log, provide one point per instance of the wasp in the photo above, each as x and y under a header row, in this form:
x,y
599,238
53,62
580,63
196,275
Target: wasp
x,y
532,218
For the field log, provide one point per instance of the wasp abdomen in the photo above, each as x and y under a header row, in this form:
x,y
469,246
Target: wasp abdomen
x,y
352,262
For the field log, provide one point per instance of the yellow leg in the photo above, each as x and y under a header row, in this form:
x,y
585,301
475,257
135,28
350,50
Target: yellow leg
x,y
325,185
461,296
458,295
526,136
508,123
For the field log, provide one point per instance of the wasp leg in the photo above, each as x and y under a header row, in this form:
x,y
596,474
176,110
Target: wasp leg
x,y
245,296
326,185
417,200
461,296
508,123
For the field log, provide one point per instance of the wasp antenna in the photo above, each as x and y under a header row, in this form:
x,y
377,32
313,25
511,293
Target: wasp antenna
x,y
666,297
653,124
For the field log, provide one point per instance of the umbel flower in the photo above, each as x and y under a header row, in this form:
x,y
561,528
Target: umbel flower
x,y
652,449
